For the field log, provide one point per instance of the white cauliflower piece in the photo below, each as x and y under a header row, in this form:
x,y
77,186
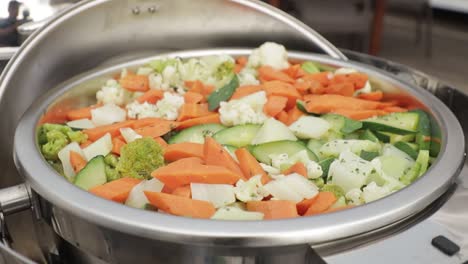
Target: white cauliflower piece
x,y
278,160
345,71
270,54
251,190
366,89
374,192
113,93
167,108
281,161
212,70
247,110
144,71
270,169
248,76
354,196
168,80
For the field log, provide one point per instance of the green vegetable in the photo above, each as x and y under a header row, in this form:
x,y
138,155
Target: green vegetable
x,y
319,182
397,123
237,136
342,124
159,65
92,175
223,93
325,164
335,189
424,130
369,155
111,162
139,158
310,67
224,70
57,165
301,106
54,137
350,126
409,148
367,134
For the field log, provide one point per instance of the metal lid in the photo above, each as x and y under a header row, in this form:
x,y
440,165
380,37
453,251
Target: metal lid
x,y
314,230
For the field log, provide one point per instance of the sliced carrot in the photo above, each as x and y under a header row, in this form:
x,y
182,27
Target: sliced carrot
x,y
326,103
114,129
294,71
135,83
156,130
117,190
193,97
322,202
298,168
245,90
185,171
77,161
303,205
250,166
194,86
81,113
147,122
404,100
189,111
345,89
283,89
208,89
395,109
181,206
242,60
374,96
273,209
183,150
56,114
309,87
359,114
117,144
151,96
331,210
321,77
357,79
184,191
209,119
161,142
216,155
283,117
267,73
238,68
275,105
293,115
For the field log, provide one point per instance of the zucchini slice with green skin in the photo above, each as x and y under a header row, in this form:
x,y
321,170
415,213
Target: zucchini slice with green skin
x,y
385,138
424,130
342,124
408,148
325,164
196,134
92,175
314,145
263,152
237,136
369,155
368,135
397,123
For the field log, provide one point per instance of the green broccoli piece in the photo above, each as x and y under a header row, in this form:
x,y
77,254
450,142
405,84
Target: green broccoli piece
x,y
319,182
139,158
54,137
111,162
224,70
335,189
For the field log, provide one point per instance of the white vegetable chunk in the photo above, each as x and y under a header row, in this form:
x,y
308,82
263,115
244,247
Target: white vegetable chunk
x,y
81,124
218,194
102,146
129,134
293,187
137,197
250,190
273,130
309,127
349,171
64,156
108,114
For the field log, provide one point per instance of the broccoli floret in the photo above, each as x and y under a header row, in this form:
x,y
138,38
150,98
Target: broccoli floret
x,y
54,137
111,162
335,189
139,158
226,69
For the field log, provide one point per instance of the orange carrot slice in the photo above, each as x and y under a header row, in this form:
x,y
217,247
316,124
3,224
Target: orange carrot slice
x,y
298,168
183,150
274,209
135,83
193,97
209,119
189,111
184,191
245,90
181,206
345,89
250,166
114,130
77,161
216,155
267,73
283,89
117,144
322,202
374,96
117,190
275,105
151,96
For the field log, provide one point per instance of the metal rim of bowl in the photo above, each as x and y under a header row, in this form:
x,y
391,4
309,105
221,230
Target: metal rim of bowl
x,y
314,230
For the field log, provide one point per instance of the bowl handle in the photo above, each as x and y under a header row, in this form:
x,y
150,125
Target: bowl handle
x,y
13,199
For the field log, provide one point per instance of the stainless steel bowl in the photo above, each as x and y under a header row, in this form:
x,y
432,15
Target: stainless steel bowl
x,y
73,203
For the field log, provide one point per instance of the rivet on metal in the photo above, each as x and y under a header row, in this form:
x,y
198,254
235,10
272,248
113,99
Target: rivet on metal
x,y
136,10
153,9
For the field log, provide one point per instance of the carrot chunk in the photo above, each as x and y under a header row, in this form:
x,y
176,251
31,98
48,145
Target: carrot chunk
x,y
250,166
209,119
245,90
267,73
183,150
181,206
298,168
77,161
322,202
274,209
216,155
184,191
117,190
151,96
275,105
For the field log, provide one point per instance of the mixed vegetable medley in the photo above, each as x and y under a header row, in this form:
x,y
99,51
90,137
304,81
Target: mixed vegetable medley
x,y
246,138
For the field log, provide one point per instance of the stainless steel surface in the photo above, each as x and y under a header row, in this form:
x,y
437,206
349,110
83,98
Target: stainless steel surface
x,y
96,229
14,199
7,53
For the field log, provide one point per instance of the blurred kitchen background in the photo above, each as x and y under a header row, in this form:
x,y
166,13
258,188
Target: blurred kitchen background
x,y
429,35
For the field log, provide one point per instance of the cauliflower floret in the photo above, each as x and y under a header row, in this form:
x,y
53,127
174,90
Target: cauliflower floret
x,y
144,71
374,192
251,190
113,93
168,80
354,196
270,54
247,110
269,169
278,160
283,161
166,108
248,76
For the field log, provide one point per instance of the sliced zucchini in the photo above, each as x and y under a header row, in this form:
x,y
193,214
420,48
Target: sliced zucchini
x,y
314,145
325,164
336,147
397,123
237,136
368,135
409,148
273,130
385,138
196,134
263,152
93,174
342,124
424,130
369,155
